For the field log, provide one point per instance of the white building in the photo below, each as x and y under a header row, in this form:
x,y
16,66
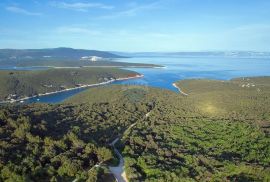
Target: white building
x,y
91,58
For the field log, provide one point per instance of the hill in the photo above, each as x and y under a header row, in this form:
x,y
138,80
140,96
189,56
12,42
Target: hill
x,y
180,140
21,84
71,63
219,132
242,95
63,142
53,53
62,57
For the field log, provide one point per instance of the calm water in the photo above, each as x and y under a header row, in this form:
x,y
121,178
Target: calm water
x,y
187,68
178,68
55,98
23,68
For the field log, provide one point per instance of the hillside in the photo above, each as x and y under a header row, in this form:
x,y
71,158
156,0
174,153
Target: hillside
x,y
63,142
62,57
53,53
219,132
71,63
242,95
183,139
180,140
20,84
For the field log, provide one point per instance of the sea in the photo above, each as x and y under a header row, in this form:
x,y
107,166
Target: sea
x,y
174,69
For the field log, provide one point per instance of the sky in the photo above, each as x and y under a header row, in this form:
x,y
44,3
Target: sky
x,y
136,25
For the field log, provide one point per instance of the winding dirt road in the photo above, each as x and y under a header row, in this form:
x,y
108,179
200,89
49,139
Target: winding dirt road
x,y
119,171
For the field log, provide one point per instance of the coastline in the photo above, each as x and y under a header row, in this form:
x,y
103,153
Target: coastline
x,y
185,94
77,67
73,88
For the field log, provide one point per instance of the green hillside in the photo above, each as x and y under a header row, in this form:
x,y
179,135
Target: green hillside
x,y
71,63
249,97
180,140
64,142
22,84
219,132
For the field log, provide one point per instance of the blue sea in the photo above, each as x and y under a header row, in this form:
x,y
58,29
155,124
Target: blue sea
x,y
179,68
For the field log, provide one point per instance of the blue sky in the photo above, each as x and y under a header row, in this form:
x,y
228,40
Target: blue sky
x,y
139,25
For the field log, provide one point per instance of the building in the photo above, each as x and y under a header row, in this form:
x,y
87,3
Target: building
x,y
91,58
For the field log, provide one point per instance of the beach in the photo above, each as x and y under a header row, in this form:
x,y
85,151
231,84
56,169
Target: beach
x,y
185,94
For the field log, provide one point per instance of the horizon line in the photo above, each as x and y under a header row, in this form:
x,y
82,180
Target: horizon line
x,y
152,51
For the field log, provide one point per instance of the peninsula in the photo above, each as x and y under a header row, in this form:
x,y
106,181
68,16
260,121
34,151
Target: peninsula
x,y
22,85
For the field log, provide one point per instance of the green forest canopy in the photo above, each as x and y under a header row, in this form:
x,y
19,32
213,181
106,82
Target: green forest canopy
x,y
22,84
182,140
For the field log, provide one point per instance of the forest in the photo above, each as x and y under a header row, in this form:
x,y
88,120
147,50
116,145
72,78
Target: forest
x,y
16,84
219,132
64,142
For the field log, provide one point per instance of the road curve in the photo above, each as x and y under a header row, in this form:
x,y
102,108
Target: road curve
x,y
119,171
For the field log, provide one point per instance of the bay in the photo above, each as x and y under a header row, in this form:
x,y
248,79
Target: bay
x,y
175,68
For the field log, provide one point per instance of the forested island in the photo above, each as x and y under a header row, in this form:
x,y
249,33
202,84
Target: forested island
x,y
218,132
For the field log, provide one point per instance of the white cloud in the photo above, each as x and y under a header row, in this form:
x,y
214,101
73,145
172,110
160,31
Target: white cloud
x,y
133,9
80,6
18,10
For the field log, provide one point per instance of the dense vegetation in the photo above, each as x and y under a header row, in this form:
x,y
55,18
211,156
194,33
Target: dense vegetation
x,y
70,63
62,142
219,132
227,139
245,97
28,83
